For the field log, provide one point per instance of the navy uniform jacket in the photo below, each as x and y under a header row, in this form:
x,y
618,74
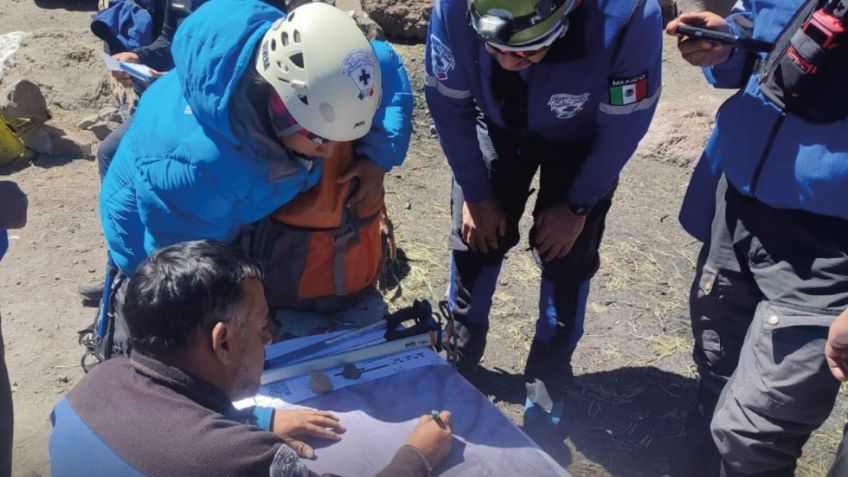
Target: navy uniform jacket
x,y
778,158
598,84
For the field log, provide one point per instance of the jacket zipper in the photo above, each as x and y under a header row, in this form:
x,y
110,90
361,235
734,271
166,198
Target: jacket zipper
x,y
759,170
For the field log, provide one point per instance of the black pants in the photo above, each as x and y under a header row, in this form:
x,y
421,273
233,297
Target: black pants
x,y
512,163
6,415
840,465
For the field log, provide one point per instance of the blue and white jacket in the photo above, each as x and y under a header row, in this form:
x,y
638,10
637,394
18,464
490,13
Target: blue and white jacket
x,y
780,159
603,90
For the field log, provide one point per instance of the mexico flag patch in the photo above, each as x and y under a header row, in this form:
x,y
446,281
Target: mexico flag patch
x,y
628,90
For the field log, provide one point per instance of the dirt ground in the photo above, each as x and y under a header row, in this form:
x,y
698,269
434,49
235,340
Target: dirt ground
x,y
634,367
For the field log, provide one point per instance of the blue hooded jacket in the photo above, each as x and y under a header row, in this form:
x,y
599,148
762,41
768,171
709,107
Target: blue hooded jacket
x,y
184,171
780,159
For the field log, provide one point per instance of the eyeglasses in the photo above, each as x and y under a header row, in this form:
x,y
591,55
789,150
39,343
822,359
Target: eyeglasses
x,y
523,54
518,52
285,124
311,136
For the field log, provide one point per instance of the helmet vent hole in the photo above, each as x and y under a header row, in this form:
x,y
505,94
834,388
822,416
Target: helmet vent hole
x,y
297,36
273,45
290,17
284,38
303,99
297,59
328,113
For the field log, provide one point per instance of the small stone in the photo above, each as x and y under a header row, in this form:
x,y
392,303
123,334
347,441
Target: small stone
x,y
319,383
407,206
88,121
102,130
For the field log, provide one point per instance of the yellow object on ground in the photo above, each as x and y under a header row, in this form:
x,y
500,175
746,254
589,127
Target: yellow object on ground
x,y
11,147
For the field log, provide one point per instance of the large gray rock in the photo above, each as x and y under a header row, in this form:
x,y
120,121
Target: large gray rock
x,y
371,29
400,19
23,99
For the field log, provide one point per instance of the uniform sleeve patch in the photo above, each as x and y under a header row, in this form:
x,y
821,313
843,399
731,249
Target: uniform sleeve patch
x,y
624,91
442,60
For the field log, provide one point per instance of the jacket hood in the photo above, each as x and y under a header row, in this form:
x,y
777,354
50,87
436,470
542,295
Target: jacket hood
x,y
213,49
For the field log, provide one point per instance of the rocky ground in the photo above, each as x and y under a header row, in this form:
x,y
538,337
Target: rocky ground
x,y
634,366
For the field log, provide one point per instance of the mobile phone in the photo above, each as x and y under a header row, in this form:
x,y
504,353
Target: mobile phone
x,y
730,39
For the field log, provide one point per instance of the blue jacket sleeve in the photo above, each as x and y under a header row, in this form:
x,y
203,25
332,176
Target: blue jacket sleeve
x,y
733,72
449,98
620,126
264,417
388,141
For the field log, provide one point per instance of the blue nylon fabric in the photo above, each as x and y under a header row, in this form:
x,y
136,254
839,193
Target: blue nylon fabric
x,y
129,23
547,323
74,447
264,417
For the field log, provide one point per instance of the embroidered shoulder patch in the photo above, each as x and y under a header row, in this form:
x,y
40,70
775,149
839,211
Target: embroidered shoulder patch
x,y
566,106
359,66
441,58
625,91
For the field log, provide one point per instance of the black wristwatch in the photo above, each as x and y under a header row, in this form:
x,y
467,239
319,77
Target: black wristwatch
x,y
580,210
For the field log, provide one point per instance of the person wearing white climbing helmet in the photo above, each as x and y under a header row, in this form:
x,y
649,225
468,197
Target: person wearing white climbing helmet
x,y
240,126
516,86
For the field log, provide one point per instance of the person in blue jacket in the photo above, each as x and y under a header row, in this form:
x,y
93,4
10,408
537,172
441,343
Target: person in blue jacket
x,y
200,323
205,156
768,201
556,85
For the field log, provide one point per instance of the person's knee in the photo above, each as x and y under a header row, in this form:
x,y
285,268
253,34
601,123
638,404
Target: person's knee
x,y
571,268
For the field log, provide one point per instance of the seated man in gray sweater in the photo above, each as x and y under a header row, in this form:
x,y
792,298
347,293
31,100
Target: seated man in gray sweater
x,y
198,321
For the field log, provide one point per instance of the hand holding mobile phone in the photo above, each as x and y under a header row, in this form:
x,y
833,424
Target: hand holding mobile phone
x,y
724,38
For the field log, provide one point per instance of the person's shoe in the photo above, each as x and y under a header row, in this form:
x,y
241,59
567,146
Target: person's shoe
x,y
90,294
542,415
541,425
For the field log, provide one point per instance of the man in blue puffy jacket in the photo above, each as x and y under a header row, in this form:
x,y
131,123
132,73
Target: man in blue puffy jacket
x,y
768,200
205,155
556,85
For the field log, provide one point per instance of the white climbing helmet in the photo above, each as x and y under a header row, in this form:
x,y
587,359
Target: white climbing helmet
x,y
324,69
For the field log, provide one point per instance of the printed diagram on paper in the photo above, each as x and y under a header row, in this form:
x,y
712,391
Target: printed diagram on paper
x,y
292,391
